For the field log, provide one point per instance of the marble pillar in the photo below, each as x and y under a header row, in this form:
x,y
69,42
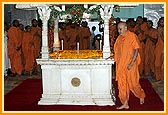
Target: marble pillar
x,y
44,12
106,12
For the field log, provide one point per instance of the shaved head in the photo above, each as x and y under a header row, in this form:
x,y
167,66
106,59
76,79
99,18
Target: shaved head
x,y
122,24
122,28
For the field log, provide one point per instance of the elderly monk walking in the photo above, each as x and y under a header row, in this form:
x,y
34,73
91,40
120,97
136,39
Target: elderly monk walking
x,y
14,48
127,60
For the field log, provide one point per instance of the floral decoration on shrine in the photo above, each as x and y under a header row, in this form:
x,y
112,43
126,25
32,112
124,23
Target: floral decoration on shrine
x,y
74,13
73,54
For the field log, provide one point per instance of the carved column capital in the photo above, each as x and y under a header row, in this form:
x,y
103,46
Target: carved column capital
x,y
44,12
106,11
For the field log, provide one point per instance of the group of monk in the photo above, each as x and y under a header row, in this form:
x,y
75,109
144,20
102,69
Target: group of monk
x,y
24,46
138,48
151,45
73,33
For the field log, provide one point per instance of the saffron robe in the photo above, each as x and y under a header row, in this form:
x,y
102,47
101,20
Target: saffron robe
x,y
71,34
36,32
128,80
85,38
149,51
140,34
28,51
14,42
159,57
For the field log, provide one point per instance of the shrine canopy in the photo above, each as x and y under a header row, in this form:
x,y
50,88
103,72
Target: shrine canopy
x,y
76,13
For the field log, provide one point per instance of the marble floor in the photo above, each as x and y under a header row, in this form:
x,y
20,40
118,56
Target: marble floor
x,y
11,82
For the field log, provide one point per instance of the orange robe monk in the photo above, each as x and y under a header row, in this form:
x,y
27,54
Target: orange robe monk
x,y
21,31
72,33
141,52
159,56
14,50
21,34
28,51
139,31
149,51
127,73
62,36
36,32
141,37
85,38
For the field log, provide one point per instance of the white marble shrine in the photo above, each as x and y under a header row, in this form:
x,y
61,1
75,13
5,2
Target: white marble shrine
x,y
75,81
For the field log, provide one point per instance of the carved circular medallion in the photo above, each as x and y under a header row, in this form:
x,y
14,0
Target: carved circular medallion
x,y
75,82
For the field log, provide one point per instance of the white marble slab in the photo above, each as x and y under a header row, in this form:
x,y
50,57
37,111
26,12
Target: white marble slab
x,y
77,82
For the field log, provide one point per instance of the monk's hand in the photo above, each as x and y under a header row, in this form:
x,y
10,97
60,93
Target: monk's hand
x,y
130,65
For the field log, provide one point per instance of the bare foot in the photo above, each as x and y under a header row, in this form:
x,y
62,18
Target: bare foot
x,y
123,107
142,101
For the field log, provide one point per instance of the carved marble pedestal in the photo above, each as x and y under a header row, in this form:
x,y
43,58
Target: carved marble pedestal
x,y
77,82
